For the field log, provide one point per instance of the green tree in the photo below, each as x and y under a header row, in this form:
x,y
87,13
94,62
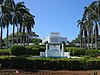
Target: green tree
x,y
36,41
17,18
8,5
5,20
27,24
80,23
1,3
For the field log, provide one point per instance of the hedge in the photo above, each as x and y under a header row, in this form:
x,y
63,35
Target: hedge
x,y
5,52
36,49
92,53
19,50
76,51
50,63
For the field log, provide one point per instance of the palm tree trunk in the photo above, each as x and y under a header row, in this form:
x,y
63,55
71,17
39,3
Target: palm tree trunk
x,y
91,40
96,36
24,35
88,41
28,39
7,37
13,35
17,34
96,42
80,43
21,38
85,42
1,38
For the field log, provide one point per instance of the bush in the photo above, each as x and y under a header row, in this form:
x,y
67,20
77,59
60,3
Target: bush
x,y
50,63
37,49
5,52
28,50
33,51
19,50
92,53
75,51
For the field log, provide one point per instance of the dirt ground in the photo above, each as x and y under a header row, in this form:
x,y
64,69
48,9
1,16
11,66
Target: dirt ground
x,y
48,72
64,72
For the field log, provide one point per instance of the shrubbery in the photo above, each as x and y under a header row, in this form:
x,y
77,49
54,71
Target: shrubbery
x,y
36,49
76,51
92,53
50,63
18,50
5,52
26,50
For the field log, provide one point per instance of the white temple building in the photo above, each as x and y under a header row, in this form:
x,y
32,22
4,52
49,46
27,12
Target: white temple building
x,y
54,38
54,46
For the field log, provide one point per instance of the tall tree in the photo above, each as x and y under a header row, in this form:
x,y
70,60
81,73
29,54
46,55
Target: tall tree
x,y
27,24
5,20
80,23
17,18
8,5
1,3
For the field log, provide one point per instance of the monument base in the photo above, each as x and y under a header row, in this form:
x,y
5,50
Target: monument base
x,y
53,50
55,53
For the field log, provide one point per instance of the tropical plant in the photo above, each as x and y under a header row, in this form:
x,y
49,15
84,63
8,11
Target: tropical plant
x,y
80,23
1,3
18,16
27,24
91,19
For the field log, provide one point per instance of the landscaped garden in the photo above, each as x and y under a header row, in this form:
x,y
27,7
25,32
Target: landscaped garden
x,y
17,53
20,57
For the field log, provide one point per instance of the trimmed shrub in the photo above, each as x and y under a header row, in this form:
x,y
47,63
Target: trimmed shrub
x,y
75,51
50,63
92,53
18,50
5,52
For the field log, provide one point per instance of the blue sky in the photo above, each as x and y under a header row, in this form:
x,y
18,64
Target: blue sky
x,y
56,16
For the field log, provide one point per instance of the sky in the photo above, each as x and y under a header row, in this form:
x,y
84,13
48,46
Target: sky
x,y
56,16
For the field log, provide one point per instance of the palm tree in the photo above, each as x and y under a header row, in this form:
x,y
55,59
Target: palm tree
x,y
85,37
11,5
96,36
17,17
85,15
1,2
26,21
95,18
7,7
96,5
5,17
27,24
80,23
89,15
90,22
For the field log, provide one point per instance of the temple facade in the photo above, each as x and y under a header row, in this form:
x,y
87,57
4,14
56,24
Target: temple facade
x,y
54,38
